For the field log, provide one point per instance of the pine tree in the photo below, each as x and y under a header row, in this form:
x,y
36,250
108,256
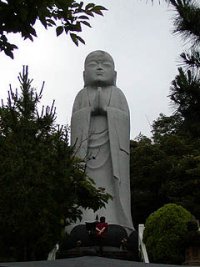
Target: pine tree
x,y
185,89
42,184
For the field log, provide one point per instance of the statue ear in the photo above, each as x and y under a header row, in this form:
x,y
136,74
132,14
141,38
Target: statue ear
x,y
115,78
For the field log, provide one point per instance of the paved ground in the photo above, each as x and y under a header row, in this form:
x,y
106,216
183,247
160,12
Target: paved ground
x,y
86,261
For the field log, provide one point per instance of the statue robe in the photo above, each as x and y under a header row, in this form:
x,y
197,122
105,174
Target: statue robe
x,y
103,142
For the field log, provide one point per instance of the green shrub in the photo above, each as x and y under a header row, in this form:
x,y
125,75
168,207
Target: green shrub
x,y
164,234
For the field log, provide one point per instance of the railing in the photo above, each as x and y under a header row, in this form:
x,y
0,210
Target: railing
x,y
141,245
52,253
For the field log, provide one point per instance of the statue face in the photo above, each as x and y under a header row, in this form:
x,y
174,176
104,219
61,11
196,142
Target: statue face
x,y
99,69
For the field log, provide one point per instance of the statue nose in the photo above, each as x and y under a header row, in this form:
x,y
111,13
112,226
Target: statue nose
x,y
99,67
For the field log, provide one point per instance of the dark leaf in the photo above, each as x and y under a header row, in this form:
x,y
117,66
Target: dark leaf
x,y
80,39
51,22
44,22
83,17
89,13
98,12
32,31
90,6
59,30
86,23
74,38
99,8
9,53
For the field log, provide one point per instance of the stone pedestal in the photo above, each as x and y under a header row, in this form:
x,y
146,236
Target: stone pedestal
x,y
116,244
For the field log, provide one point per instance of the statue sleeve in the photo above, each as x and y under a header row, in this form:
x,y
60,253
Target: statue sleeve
x,y
119,128
80,122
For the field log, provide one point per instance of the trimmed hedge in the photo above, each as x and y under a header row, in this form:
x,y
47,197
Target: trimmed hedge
x,y
164,234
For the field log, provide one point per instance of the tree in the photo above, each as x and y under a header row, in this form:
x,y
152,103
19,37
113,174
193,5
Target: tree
x,y
185,94
68,16
42,184
166,126
185,89
165,169
164,234
187,20
147,162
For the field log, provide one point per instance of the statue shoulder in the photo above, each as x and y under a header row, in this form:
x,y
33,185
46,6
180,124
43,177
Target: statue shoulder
x,y
79,99
119,91
119,98
81,93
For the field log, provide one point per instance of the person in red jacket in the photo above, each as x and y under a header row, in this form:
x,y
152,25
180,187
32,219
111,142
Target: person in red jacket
x,y
101,231
101,227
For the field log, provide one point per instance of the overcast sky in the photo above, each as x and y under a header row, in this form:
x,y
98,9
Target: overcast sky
x,y
139,37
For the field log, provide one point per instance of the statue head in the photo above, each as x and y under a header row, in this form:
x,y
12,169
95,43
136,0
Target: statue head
x,y
99,69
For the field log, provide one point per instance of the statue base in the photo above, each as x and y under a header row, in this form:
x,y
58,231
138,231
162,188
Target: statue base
x,y
116,243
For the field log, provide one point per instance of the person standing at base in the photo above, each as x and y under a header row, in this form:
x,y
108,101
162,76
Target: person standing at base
x,y
100,129
101,227
101,231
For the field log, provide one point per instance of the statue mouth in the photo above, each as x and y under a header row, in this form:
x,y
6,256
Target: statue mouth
x,y
99,73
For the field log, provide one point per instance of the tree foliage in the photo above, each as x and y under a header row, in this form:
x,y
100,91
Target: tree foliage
x,y
185,89
164,233
165,169
147,162
67,16
166,126
185,94
187,20
42,184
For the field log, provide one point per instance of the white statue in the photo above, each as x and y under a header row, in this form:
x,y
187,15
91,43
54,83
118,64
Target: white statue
x,y
100,128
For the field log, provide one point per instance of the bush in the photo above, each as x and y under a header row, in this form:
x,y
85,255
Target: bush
x,y
164,234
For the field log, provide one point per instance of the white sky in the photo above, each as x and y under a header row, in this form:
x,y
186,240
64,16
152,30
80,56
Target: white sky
x,y
139,37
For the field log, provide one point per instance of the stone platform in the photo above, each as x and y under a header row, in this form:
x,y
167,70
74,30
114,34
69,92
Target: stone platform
x,y
116,244
86,261
107,252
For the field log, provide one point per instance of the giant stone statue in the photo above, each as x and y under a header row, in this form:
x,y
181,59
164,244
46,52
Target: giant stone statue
x,y
100,128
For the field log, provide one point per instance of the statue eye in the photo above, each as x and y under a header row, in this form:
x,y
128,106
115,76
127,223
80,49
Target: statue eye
x,y
92,64
106,64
